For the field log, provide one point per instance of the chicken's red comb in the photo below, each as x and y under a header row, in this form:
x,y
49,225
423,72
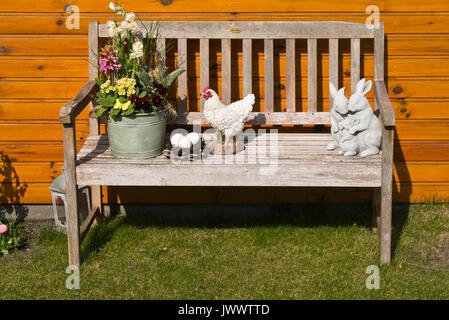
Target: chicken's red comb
x,y
205,89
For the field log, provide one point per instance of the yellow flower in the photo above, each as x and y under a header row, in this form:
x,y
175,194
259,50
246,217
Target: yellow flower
x,y
105,85
124,106
10,241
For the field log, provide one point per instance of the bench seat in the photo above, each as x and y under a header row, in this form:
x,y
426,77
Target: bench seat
x,y
302,160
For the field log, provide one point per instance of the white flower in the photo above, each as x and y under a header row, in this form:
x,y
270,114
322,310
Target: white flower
x,y
117,10
137,50
111,28
129,16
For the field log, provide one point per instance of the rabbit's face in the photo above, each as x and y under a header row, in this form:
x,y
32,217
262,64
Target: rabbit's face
x,y
341,105
358,100
340,101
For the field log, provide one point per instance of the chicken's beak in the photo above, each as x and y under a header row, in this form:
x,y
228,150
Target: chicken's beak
x,y
202,94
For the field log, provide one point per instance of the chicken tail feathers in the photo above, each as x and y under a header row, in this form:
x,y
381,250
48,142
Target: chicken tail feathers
x,y
249,101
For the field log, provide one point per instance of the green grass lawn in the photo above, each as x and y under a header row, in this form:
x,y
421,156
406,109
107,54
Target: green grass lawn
x,y
295,252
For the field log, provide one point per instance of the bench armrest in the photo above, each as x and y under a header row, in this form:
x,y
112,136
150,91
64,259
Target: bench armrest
x,y
73,108
383,103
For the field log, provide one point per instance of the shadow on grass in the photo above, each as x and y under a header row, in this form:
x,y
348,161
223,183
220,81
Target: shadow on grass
x,y
299,215
304,215
99,236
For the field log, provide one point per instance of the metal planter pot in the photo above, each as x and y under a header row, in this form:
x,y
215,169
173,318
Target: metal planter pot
x,y
138,136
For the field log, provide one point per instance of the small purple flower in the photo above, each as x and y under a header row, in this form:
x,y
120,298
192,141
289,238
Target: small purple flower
x,y
3,228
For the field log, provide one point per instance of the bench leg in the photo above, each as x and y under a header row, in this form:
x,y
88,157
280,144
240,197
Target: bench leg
x,y
386,195
73,230
97,202
376,209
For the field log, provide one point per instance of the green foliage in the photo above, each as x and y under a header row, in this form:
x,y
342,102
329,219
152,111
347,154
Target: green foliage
x,y
12,238
172,77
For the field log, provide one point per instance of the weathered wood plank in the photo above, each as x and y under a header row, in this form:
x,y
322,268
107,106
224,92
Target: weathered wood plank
x,y
269,76
94,212
247,61
386,194
290,74
355,63
291,118
182,79
161,54
74,107
226,71
312,75
93,71
73,233
333,65
379,52
299,174
384,104
204,62
255,29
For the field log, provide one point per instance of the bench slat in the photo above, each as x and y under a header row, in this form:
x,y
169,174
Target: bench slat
x,y
182,79
291,75
204,62
268,76
312,74
247,67
161,48
255,29
333,65
355,63
275,118
226,70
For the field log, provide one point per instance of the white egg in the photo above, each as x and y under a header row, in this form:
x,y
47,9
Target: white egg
x,y
184,143
174,139
193,137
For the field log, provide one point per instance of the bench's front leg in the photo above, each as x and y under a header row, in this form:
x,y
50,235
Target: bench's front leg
x,y
73,230
386,194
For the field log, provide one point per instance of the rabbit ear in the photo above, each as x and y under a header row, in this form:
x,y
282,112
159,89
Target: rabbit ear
x,y
341,91
360,85
332,90
367,87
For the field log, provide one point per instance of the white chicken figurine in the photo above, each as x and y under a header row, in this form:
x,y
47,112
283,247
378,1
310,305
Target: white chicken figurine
x,y
228,119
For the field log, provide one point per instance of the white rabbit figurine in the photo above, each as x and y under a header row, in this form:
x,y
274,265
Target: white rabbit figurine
x,y
337,114
367,125
349,142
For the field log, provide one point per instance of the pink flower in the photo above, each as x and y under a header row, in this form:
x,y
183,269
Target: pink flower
x,y
3,228
109,63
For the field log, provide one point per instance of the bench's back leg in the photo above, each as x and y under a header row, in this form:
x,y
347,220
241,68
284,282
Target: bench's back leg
x,y
386,195
376,209
73,233
97,202
94,125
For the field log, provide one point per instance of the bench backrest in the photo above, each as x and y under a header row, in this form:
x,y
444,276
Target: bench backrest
x,y
268,32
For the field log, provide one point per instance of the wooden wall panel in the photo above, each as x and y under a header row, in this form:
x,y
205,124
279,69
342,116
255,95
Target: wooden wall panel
x,y
43,64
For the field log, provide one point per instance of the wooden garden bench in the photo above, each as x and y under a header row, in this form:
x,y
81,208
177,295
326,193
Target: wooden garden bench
x,y
306,162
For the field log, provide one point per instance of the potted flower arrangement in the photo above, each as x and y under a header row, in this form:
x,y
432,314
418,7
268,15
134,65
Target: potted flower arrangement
x,y
133,90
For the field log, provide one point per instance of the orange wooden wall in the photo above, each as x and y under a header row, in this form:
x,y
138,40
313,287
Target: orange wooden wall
x,y
43,64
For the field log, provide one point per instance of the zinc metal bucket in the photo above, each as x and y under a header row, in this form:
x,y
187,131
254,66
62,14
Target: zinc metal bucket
x,y
137,136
